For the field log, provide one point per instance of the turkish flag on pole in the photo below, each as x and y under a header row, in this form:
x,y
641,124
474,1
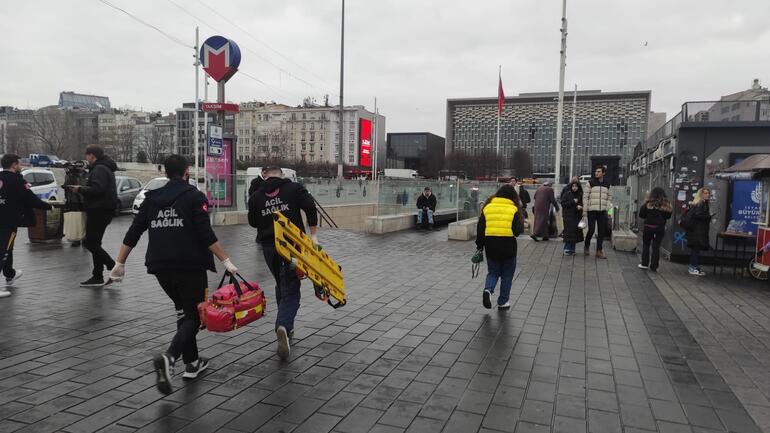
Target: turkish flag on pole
x,y
500,96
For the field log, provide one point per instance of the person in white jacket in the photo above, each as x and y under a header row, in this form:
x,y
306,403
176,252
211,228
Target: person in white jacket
x,y
597,200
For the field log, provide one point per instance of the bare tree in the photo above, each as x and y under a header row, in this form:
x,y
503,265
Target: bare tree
x,y
153,143
521,163
19,140
55,131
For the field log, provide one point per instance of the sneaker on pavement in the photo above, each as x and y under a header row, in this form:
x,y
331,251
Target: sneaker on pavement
x,y
505,306
534,238
193,369
4,293
693,271
93,282
641,266
284,349
600,255
15,278
487,301
164,368
586,252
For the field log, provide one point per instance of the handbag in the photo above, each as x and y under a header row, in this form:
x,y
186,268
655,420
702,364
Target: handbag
x,y
74,226
583,223
233,305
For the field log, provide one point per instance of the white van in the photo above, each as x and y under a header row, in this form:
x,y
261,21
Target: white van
x,y
42,182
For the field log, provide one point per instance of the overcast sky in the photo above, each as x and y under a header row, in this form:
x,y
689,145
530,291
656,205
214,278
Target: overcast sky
x,y
410,54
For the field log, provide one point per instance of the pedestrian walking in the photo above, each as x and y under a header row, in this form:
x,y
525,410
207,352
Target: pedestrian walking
x,y
545,199
500,222
282,195
101,200
698,221
16,203
655,211
572,212
179,252
597,200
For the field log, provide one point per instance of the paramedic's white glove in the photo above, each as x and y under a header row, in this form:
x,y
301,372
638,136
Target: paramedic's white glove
x,y
229,266
314,238
118,272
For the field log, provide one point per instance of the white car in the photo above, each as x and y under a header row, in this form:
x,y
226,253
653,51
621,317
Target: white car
x,y
153,184
42,182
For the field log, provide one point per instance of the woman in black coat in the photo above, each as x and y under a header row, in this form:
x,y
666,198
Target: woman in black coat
x,y
697,232
572,212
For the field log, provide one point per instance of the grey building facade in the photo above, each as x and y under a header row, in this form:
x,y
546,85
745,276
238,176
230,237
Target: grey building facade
x,y
421,151
608,126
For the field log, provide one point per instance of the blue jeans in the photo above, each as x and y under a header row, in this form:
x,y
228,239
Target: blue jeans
x,y
430,216
504,271
287,293
694,258
569,246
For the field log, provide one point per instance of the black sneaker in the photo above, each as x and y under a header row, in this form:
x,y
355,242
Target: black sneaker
x,y
164,367
93,282
14,278
487,301
284,348
193,369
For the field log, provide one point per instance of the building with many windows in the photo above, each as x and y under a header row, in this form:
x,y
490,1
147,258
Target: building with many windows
x,y
309,132
608,126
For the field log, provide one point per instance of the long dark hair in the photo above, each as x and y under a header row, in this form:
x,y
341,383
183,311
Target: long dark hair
x,y
509,192
657,199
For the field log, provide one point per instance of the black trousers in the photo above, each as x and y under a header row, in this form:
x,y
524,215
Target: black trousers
x,y
186,289
7,239
596,218
652,237
96,223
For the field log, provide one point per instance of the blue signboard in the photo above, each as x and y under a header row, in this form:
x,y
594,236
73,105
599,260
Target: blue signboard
x,y
745,203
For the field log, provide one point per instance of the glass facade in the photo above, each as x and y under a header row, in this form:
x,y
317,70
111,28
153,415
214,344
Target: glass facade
x,y
89,102
607,124
420,151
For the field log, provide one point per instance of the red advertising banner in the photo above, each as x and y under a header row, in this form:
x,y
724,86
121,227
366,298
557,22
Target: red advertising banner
x,y
365,142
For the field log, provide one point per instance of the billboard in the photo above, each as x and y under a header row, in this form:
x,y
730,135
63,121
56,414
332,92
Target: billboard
x,y
744,205
365,142
219,174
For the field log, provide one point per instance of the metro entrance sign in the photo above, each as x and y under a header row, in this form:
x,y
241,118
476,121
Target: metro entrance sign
x,y
220,57
215,141
216,106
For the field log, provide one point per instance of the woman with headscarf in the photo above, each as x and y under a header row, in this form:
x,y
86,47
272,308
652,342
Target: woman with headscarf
x,y
571,212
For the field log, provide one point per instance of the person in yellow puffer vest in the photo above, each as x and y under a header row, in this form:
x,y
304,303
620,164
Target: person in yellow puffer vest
x,y
499,223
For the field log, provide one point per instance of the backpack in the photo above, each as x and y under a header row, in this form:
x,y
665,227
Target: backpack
x,y
686,221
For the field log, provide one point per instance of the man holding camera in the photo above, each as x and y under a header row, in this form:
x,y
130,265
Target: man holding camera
x,y
101,195
16,203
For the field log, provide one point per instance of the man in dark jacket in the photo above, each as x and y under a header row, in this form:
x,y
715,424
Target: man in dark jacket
x,y
101,197
426,203
289,198
16,202
179,253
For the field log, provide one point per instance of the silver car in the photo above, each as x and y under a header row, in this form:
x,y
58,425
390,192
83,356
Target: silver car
x,y
128,189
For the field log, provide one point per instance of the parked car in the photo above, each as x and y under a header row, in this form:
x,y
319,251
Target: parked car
x,y
128,189
42,182
41,160
153,184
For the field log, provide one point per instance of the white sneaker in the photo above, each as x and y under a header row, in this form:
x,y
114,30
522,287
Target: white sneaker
x,y
505,306
10,281
693,271
284,349
641,266
4,293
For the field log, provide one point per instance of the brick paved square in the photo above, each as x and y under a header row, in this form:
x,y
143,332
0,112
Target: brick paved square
x,y
595,346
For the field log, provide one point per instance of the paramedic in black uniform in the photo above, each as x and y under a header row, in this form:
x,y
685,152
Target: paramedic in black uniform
x,y
277,194
179,253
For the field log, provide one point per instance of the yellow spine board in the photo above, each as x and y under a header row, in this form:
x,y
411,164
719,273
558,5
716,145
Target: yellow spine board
x,y
296,247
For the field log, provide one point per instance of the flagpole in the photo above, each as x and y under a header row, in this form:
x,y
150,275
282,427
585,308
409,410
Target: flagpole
x,y
499,81
560,108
